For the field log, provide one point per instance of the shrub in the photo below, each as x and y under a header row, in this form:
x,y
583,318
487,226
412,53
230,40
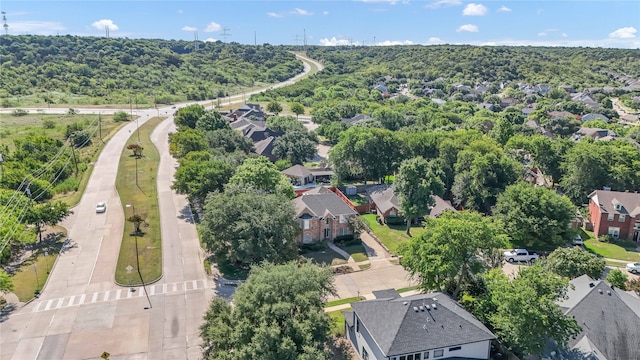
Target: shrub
x,y
48,124
68,185
618,279
346,240
81,139
120,116
394,220
19,112
305,248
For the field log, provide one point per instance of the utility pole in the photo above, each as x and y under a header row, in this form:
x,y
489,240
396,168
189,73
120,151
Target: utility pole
x,y
374,40
100,126
73,153
225,33
137,126
304,40
255,39
4,23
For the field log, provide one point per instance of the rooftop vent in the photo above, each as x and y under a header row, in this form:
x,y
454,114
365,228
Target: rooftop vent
x,y
415,308
591,285
434,306
608,292
421,308
427,307
405,303
600,291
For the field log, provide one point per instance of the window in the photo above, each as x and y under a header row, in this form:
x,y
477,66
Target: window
x,y
306,239
438,353
305,224
425,355
344,231
410,357
610,217
327,232
326,220
344,219
357,323
365,354
621,218
455,348
614,231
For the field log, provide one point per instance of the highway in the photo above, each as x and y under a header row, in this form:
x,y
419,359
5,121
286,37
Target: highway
x,y
82,313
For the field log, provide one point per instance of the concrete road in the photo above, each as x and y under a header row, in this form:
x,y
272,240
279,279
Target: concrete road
x,y
81,313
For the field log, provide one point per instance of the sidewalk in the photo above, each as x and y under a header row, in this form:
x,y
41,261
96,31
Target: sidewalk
x,y
350,261
368,297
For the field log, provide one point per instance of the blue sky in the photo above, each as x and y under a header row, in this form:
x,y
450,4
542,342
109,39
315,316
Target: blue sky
x,y
597,23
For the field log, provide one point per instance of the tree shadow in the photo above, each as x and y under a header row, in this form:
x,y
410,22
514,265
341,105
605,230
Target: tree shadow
x,y
186,215
6,311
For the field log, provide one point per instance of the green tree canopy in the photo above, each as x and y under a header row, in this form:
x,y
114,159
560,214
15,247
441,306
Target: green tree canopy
x,y
188,116
415,184
526,315
211,120
295,146
261,174
574,262
451,246
277,314
297,108
245,226
534,216
198,177
285,124
274,107
185,141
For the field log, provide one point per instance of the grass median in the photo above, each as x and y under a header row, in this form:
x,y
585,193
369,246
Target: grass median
x,y
139,190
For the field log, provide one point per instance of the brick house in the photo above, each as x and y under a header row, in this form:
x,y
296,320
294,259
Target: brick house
x,y
387,204
615,213
322,215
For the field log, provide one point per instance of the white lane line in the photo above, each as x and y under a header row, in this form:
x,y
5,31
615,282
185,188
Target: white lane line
x,y
118,294
130,293
106,295
59,303
195,284
49,303
94,298
164,288
153,291
81,301
71,301
96,261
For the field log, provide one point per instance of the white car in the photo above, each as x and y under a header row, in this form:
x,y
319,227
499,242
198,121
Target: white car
x,y
101,207
577,240
633,268
517,255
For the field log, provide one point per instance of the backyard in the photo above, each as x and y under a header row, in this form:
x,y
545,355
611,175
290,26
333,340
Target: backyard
x,y
390,235
621,250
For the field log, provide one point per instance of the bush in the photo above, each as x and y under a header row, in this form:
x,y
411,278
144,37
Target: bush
x,y
81,139
120,116
618,279
395,220
48,124
346,240
305,248
19,112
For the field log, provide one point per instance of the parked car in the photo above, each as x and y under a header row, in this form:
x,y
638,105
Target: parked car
x,y
101,207
577,240
633,268
517,255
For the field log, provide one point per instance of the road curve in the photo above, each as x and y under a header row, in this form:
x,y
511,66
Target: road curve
x,y
81,313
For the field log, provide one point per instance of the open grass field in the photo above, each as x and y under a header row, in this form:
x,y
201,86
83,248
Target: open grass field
x,y
391,236
136,185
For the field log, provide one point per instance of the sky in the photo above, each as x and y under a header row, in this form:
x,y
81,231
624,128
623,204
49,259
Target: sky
x,y
591,23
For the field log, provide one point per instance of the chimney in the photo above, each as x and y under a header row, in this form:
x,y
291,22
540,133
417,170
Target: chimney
x,y
591,285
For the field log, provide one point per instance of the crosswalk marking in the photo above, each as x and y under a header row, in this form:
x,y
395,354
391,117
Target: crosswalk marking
x,y
114,295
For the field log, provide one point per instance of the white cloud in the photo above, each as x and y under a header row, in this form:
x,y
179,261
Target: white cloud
x,y
474,10
394,42
275,15
334,42
468,28
213,26
443,3
624,33
628,43
325,13
189,28
564,35
298,11
542,34
540,11
392,2
504,9
35,27
105,24
434,40
210,40
179,11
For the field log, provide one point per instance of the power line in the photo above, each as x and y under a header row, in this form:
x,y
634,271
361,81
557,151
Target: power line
x,y
4,23
225,33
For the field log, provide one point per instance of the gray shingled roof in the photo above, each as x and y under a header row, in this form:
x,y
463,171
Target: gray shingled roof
x,y
609,318
297,170
383,197
606,200
320,202
398,329
264,147
440,206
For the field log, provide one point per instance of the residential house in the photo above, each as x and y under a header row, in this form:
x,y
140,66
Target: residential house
x,y
592,116
382,88
356,119
301,176
244,123
543,89
424,326
615,213
595,133
568,88
609,318
586,99
486,106
507,102
557,114
527,110
322,215
257,133
534,125
265,148
263,138
387,204
249,111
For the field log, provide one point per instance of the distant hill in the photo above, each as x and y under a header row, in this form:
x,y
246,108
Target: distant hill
x,y
114,69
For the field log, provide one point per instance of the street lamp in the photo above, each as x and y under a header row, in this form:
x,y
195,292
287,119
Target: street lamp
x,y
135,234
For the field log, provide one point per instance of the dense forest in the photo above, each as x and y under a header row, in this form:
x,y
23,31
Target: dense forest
x,y
111,70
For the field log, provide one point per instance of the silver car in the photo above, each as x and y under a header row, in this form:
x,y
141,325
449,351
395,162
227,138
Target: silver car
x,y
633,268
101,207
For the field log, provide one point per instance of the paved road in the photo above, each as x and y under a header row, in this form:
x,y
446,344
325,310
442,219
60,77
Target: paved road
x,y
81,312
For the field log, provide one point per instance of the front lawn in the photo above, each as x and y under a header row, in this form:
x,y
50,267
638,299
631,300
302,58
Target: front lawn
x,y
357,252
337,321
611,251
325,257
391,236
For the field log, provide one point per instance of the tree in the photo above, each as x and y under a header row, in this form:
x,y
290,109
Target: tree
x,y
244,226
212,120
186,141
6,282
277,314
332,130
138,221
260,174
295,146
563,126
119,116
136,148
297,108
526,315
188,116
49,213
285,124
533,215
415,184
574,262
451,247
274,107
228,140
198,177
618,279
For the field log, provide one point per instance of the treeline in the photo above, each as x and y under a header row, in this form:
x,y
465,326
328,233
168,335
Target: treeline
x,y
114,69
